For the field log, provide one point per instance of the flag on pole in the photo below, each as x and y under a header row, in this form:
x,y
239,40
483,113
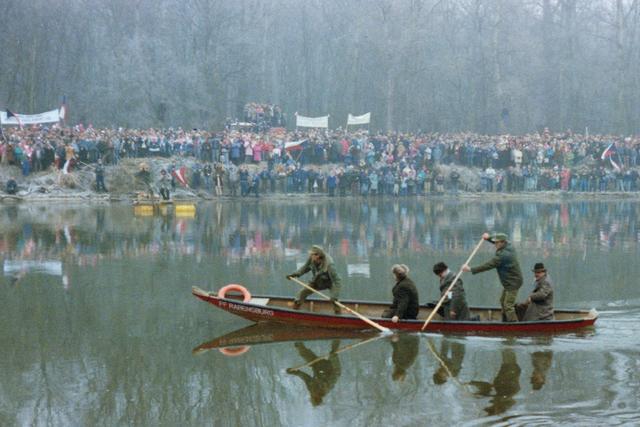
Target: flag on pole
x,y
181,176
62,111
608,153
11,114
295,145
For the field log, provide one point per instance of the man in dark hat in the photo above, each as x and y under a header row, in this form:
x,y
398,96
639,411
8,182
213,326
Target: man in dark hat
x,y
454,306
506,263
539,305
320,264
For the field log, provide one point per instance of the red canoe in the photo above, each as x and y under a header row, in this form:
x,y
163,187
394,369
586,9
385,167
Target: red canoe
x,y
319,313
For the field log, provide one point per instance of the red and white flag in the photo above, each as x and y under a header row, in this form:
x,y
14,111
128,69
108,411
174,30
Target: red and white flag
x,y
295,145
180,175
609,152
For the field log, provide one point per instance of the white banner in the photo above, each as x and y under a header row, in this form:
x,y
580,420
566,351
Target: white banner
x,y
359,120
52,116
312,122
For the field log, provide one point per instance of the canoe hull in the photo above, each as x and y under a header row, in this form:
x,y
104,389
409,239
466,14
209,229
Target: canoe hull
x,y
263,313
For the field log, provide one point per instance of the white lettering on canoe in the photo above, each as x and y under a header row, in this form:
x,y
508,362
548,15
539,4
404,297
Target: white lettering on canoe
x,y
260,311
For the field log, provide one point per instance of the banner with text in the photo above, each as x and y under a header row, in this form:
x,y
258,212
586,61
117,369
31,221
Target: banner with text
x,y
359,120
52,116
312,122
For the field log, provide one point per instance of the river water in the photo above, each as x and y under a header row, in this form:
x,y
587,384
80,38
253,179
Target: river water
x,y
99,326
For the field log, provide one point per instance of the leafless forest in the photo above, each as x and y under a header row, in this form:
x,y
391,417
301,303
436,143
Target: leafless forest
x,y
488,66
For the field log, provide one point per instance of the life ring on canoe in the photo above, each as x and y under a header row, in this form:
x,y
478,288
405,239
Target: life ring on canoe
x,y
234,351
235,287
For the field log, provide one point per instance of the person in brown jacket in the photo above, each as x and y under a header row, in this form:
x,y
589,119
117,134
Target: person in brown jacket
x,y
539,305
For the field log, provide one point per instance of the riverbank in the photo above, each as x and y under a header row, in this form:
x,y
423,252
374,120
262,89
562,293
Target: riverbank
x,y
53,185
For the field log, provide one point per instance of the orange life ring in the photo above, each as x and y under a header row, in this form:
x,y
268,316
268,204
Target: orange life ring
x,y
234,351
235,287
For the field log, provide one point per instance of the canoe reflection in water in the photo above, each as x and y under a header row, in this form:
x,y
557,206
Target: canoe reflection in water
x,y
405,351
504,387
325,371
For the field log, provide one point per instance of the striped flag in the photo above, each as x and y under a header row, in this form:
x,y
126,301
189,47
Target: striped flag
x,y
608,153
295,145
11,114
180,175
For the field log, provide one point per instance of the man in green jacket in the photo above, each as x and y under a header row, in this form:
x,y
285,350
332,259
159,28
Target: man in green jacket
x,y
455,303
324,277
506,263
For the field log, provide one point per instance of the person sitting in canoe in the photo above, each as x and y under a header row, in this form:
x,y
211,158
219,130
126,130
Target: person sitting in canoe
x,y
505,261
539,305
405,296
455,305
324,277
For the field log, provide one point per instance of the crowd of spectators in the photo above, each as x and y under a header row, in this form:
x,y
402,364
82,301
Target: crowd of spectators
x,y
240,162
259,117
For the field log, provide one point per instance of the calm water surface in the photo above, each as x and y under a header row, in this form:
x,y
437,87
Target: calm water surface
x,y
99,326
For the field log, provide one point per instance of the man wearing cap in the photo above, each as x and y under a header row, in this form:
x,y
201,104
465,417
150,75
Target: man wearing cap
x,y
455,303
539,305
324,276
506,264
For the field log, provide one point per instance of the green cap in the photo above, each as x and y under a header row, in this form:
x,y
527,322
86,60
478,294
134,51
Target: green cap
x,y
498,237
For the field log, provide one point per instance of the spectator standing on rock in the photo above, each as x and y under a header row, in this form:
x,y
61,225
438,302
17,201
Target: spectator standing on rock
x,y
99,171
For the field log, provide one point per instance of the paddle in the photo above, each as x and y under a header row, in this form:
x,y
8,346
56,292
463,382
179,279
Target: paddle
x,y
339,304
446,368
455,280
340,350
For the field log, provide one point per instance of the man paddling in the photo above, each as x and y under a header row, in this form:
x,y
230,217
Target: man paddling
x,y
324,277
455,305
506,263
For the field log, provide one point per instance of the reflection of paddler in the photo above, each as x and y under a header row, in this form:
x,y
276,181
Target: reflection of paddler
x,y
405,351
451,357
325,372
541,361
506,384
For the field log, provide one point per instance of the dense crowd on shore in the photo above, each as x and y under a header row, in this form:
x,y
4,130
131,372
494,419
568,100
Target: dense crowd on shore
x,y
244,160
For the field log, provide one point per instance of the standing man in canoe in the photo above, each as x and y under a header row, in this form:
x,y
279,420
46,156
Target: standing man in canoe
x,y
324,276
506,263
455,304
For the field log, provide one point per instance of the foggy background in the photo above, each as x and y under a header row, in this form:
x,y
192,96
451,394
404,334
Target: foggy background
x,y
487,66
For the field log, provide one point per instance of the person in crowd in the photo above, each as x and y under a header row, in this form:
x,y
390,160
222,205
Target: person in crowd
x,y
505,262
454,306
405,296
539,304
324,276
99,171
144,176
11,187
164,184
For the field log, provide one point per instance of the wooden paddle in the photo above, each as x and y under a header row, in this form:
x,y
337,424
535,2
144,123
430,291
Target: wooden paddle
x,y
446,368
455,280
340,350
339,304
